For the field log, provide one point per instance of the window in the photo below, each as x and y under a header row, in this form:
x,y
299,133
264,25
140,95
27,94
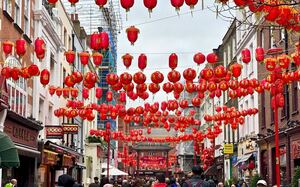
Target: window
x,y
26,17
263,110
18,12
8,6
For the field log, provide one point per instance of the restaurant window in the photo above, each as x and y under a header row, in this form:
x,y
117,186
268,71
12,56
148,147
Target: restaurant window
x,y
7,6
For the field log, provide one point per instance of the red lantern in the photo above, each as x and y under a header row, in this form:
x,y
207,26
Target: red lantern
x,y
127,4
132,34
259,54
33,70
246,56
212,58
112,79
101,3
39,48
45,77
52,2
173,61
104,40
85,93
154,88
240,3
178,87
69,81
127,60
284,61
157,77
189,74
191,3
97,58
15,73
7,47
236,70
70,56
109,96
58,92
125,78
207,73
98,92
77,76
142,61
272,13
199,58
150,4
139,78
196,101
20,47
168,87
177,4
90,78
95,41
74,93
270,63
174,76
52,90
73,2
84,58
220,71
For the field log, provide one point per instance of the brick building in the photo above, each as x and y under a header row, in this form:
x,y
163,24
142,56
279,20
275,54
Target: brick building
x,y
289,118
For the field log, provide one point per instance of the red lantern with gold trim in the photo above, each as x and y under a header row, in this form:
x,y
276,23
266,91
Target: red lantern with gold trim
x,y
70,56
45,77
212,58
112,79
52,90
101,3
20,47
7,47
142,61
74,93
154,88
178,87
127,4
33,70
236,70
150,4
270,63
259,54
174,76
132,34
127,60
189,74
99,92
85,93
125,78
157,77
104,40
139,78
122,97
173,61
84,58
284,61
39,48
168,87
109,96
95,41
199,58
246,56
97,58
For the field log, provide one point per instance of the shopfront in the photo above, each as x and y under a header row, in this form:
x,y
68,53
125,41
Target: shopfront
x,y
24,133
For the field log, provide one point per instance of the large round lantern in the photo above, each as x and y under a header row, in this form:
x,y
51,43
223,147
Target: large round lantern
x,y
178,87
127,60
150,4
125,78
139,78
246,56
112,79
7,47
284,61
173,61
157,77
45,77
33,70
127,4
168,87
199,58
177,4
212,58
174,76
100,3
15,73
20,47
95,41
270,63
104,40
132,34
154,88
142,61
236,70
39,48
189,74
70,56
84,58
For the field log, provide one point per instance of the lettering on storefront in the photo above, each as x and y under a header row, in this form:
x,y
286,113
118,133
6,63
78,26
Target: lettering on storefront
x,y
20,134
296,149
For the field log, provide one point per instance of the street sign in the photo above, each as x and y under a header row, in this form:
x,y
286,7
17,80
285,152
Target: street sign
x,y
228,148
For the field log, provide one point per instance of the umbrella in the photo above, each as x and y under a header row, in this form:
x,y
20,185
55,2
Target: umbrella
x,y
104,166
115,172
8,152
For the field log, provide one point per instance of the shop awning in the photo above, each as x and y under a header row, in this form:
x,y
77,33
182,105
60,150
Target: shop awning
x,y
8,152
244,158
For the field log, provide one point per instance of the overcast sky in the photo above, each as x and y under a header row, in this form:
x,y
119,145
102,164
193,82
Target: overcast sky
x,y
184,35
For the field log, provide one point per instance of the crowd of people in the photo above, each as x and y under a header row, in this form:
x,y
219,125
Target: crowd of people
x,y
197,179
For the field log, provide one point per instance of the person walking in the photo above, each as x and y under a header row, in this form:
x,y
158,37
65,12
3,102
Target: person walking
x,y
161,180
261,183
195,180
12,183
95,183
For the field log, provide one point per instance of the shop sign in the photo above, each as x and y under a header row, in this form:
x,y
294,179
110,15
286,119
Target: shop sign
x,y
68,161
20,134
49,157
296,149
54,132
228,148
70,128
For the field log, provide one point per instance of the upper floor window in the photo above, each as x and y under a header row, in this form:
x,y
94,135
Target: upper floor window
x,y
17,90
18,12
27,17
8,6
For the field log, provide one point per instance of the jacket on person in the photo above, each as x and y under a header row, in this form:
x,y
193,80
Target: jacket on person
x,y
9,185
160,185
195,181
